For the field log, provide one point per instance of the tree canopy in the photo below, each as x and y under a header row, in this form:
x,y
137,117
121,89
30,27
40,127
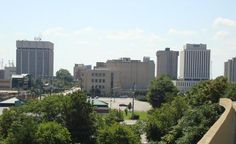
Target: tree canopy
x,y
118,134
161,90
71,116
64,78
186,118
52,133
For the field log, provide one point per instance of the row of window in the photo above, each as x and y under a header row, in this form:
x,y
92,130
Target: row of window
x,y
98,80
98,74
98,86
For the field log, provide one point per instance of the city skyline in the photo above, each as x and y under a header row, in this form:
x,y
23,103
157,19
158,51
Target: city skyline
x,y
91,31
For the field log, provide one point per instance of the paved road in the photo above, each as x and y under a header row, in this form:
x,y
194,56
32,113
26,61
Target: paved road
x,y
138,105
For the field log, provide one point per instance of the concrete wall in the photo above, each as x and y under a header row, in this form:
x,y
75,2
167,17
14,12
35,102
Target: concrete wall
x,y
224,129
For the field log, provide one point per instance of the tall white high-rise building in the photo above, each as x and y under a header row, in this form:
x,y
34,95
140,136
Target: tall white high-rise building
x,y
195,62
194,65
230,70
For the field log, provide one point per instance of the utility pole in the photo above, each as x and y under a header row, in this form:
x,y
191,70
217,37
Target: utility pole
x,y
133,92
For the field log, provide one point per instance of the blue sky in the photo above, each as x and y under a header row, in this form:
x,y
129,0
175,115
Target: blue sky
x,y
96,30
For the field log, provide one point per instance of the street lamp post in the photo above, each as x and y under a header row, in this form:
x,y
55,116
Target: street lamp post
x,y
133,92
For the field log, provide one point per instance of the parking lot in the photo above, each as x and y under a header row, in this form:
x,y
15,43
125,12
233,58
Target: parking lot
x,y
115,102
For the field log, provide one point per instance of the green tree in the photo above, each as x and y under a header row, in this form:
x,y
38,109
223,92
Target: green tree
x,y
162,119
117,134
231,92
195,123
79,118
22,130
161,90
63,79
64,75
52,133
114,116
187,118
6,120
207,91
48,109
73,111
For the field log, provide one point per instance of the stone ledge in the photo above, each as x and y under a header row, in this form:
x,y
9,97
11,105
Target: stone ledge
x,y
223,130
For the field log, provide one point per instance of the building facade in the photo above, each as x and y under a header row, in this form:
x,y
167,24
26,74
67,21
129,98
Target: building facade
x,y
78,69
230,70
35,58
2,73
9,71
132,72
117,77
167,63
195,62
97,82
20,81
194,66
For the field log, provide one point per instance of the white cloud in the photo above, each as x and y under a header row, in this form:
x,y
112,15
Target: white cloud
x,y
174,31
222,35
155,39
84,30
224,22
133,34
55,32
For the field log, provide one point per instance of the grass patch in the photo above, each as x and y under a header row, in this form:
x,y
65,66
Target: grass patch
x,y
142,115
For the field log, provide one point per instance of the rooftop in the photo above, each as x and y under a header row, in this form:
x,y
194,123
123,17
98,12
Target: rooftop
x,y
19,76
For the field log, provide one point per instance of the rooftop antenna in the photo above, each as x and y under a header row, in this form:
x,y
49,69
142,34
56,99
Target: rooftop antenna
x,y
2,64
38,38
13,65
211,70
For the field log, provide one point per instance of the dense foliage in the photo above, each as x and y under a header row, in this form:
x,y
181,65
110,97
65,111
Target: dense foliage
x,y
117,134
63,79
161,90
187,117
53,133
60,119
231,92
70,117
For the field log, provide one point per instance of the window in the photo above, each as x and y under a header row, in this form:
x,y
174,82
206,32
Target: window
x,y
103,80
92,80
103,74
99,86
96,80
100,80
100,74
92,74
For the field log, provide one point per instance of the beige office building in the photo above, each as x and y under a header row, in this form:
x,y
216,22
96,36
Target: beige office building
x,y
97,82
78,69
167,63
117,77
230,70
132,73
